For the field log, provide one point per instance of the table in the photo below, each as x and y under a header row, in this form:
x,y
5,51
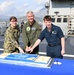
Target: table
x,y
66,68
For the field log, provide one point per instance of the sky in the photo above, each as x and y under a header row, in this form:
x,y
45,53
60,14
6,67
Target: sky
x,y
20,7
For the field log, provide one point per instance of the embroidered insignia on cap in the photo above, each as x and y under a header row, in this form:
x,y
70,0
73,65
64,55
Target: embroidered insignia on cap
x,y
28,28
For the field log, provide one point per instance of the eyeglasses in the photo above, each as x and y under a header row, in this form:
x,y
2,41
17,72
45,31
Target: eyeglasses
x,y
13,21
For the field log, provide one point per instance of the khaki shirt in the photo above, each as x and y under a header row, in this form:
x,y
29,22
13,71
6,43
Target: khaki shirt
x,y
11,39
30,33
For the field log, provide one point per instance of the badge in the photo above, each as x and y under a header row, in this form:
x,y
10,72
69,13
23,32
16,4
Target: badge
x,y
33,28
54,32
28,28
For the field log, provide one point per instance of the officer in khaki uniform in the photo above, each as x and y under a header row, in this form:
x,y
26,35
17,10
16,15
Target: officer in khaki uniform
x,y
30,33
11,43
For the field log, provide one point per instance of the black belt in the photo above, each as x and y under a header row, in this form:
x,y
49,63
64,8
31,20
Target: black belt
x,y
53,45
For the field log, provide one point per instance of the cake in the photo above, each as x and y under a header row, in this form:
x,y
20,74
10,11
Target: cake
x,y
26,59
4,55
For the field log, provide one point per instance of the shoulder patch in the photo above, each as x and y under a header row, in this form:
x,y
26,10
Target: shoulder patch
x,y
28,28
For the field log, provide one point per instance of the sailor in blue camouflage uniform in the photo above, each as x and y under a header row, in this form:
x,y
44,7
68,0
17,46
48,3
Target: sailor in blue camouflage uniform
x,y
11,42
54,37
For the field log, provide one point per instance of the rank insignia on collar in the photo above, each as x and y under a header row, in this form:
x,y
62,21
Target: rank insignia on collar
x,y
28,28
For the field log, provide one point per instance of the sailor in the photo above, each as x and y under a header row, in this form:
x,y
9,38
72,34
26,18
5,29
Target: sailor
x,y
30,32
54,37
22,23
11,42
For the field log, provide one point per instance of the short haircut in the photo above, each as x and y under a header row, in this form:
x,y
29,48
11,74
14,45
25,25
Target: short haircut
x,y
30,12
47,18
14,18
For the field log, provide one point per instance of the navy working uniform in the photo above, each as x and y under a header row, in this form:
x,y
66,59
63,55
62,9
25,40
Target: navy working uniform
x,y
11,42
53,38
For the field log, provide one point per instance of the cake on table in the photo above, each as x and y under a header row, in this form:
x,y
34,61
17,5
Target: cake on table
x,y
26,59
